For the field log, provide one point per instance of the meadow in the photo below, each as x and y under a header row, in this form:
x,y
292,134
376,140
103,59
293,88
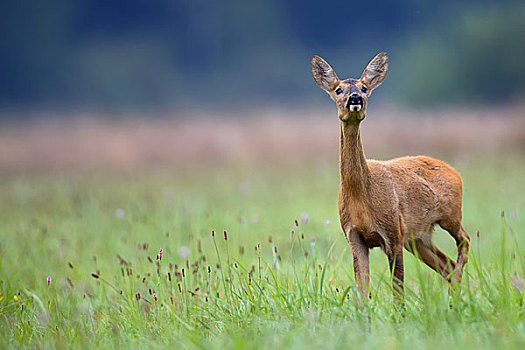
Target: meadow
x,y
244,255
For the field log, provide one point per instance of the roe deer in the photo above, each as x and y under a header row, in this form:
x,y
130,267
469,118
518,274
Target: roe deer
x,y
394,203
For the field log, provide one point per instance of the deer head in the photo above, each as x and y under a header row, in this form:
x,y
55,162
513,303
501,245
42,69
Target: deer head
x,y
350,95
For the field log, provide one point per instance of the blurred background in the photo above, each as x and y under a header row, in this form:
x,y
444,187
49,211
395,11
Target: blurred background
x,y
150,123
98,82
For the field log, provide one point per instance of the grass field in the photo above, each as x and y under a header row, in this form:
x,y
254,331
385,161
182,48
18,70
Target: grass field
x,y
98,235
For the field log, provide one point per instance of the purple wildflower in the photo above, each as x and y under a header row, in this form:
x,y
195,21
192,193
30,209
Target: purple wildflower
x,y
305,217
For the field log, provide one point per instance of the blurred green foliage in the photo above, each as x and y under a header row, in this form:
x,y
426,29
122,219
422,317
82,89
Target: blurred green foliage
x,y
109,54
303,297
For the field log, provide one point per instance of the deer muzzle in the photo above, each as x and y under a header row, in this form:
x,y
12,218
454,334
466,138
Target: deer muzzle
x,y
355,103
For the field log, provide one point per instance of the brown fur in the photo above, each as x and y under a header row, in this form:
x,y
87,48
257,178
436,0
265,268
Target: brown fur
x,y
391,204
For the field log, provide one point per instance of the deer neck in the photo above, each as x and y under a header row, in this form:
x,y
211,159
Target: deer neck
x,y
355,174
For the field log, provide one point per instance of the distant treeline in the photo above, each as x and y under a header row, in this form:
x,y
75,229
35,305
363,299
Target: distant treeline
x,y
177,53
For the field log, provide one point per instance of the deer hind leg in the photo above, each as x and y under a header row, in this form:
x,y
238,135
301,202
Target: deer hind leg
x,y
433,257
457,231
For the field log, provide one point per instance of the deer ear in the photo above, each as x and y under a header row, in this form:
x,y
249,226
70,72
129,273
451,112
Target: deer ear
x,y
375,72
324,75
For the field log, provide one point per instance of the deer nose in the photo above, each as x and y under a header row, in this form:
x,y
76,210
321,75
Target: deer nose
x,y
355,99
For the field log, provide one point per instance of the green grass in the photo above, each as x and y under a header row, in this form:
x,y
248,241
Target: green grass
x,y
239,293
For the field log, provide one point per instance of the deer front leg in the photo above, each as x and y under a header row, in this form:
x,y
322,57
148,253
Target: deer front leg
x,y
361,263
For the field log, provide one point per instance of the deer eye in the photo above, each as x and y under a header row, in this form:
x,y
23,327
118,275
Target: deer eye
x,y
363,89
338,91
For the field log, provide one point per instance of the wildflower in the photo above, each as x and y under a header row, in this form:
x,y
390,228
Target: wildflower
x,y
312,245
225,235
296,222
255,220
154,296
513,214
304,218
244,188
159,256
518,283
327,222
15,298
184,252
119,213
48,279
270,239
168,193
